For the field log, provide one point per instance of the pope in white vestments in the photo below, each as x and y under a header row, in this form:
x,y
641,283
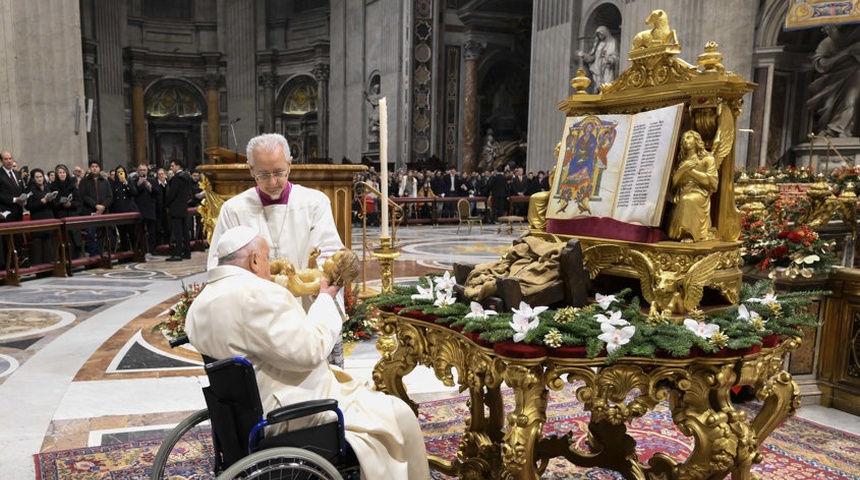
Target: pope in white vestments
x,y
242,313
291,218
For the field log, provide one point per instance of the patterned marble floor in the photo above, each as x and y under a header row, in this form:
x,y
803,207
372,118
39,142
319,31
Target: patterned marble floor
x,y
79,365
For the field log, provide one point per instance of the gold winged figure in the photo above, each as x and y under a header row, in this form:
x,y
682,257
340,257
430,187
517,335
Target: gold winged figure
x,y
674,292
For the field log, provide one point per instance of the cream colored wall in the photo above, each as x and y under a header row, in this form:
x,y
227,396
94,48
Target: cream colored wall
x,y
41,73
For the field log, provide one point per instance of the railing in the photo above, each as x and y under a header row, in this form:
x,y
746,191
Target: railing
x,y
61,230
434,203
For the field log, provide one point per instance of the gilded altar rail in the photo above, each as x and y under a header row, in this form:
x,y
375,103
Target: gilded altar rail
x,y
726,441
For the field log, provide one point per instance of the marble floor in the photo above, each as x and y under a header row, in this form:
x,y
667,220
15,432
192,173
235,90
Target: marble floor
x,y
79,365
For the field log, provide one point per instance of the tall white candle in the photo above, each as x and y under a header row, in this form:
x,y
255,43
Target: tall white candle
x,y
383,162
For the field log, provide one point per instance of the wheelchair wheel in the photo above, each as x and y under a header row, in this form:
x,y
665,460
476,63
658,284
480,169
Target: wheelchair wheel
x,y
282,463
187,452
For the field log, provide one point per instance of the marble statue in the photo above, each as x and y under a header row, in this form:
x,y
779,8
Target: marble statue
x,y
602,60
836,92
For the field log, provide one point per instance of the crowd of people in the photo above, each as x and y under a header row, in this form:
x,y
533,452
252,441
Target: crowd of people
x,y
161,195
498,186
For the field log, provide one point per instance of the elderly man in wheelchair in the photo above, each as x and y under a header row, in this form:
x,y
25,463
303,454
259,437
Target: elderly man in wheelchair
x,y
282,369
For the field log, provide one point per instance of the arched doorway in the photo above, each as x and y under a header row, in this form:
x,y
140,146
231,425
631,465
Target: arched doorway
x,y
297,119
174,114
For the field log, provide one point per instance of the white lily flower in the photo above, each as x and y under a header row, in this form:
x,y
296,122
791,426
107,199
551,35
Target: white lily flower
x,y
615,337
766,300
445,282
424,293
604,300
746,314
478,312
701,329
614,318
810,259
521,326
527,312
445,300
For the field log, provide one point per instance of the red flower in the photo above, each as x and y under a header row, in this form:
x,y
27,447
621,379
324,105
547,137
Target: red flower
x,y
782,234
795,237
779,252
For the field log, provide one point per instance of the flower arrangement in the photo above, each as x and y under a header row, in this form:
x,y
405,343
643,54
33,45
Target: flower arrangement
x,y
362,317
774,242
174,326
611,327
789,174
841,177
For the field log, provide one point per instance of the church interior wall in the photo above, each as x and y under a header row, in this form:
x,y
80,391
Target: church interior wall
x,y
41,64
551,59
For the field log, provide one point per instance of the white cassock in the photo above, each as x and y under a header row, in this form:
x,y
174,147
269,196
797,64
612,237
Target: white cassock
x,y
292,230
240,314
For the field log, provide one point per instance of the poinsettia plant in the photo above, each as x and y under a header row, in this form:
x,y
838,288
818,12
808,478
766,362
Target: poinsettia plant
x,y
362,317
174,326
774,242
613,326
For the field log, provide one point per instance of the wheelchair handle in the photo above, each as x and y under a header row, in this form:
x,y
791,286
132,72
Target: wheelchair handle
x,y
181,340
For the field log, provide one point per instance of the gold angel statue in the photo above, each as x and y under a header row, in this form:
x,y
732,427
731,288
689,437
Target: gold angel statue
x,y
695,179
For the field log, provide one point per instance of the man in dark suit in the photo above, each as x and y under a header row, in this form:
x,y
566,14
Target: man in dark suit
x,y
96,199
178,196
497,186
518,188
11,189
147,203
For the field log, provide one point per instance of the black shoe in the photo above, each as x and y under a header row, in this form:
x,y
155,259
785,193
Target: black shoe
x,y
186,256
174,258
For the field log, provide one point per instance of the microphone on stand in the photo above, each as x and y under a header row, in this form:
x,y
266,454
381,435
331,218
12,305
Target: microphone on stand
x,y
235,142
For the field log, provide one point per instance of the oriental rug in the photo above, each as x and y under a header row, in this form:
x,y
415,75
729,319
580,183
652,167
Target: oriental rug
x,y
797,450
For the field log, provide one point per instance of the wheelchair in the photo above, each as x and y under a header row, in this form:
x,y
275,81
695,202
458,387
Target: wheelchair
x,y
237,448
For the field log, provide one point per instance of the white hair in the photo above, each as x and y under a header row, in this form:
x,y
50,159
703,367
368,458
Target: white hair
x,y
267,142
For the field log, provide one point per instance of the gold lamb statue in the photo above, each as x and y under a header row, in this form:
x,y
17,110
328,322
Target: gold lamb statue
x,y
661,34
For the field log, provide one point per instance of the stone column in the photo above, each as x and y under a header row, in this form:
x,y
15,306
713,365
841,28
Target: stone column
x,y
472,51
213,82
91,93
138,116
268,81
321,74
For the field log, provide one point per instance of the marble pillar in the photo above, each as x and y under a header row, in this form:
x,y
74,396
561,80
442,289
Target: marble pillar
x,y
268,81
471,131
138,116
213,113
321,74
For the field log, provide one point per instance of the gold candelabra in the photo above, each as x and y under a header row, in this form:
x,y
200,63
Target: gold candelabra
x,y
386,253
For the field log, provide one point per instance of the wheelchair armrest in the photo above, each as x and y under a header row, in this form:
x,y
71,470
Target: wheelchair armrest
x,y
301,409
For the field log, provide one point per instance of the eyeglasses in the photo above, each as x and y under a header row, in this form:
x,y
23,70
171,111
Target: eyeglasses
x,y
265,176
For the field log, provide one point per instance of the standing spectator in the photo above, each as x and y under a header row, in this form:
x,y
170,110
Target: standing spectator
x,y
68,204
50,179
178,196
197,196
147,204
41,207
497,187
532,183
79,174
543,180
162,220
96,199
11,205
124,193
518,188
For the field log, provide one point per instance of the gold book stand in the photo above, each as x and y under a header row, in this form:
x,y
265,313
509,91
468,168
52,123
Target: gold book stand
x,y
673,274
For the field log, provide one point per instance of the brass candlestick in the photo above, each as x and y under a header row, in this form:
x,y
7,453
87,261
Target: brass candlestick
x,y
386,255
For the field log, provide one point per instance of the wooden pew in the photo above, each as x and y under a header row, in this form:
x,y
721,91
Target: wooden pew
x,y
14,270
103,223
